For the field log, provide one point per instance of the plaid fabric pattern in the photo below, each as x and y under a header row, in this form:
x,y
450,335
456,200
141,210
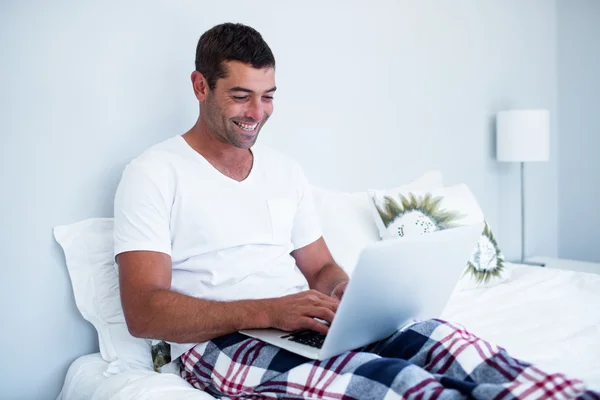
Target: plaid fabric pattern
x,y
431,359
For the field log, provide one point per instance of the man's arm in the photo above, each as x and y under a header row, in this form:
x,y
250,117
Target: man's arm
x,y
153,310
320,269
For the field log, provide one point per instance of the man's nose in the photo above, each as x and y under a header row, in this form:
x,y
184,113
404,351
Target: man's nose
x,y
255,110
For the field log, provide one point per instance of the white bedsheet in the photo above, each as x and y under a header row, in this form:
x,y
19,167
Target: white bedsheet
x,y
148,385
545,316
86,380
84,376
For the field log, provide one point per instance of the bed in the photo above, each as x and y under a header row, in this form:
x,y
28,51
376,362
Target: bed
x,y
564,336
550,317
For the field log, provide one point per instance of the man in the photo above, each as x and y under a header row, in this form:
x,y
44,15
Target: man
x,y
214,234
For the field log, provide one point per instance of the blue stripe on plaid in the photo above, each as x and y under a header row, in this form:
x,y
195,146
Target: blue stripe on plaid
x,y
382,370
284,361
432,359
465,386
590,396
403,345
226,341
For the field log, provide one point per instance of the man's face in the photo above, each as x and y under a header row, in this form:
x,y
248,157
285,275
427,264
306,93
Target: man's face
x,y
240,104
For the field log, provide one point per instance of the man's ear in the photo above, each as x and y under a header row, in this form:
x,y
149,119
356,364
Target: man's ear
x,y
200,85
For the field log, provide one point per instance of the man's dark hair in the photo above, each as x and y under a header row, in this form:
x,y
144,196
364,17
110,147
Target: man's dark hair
x,y
230,42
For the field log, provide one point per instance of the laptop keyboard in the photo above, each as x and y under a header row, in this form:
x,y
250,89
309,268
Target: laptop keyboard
x,y
307,337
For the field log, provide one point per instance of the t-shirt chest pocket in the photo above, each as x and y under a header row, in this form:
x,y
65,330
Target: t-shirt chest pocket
x,y
282,212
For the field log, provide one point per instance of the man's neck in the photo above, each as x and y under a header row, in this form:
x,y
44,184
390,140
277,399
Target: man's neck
x,y
231,161
213,148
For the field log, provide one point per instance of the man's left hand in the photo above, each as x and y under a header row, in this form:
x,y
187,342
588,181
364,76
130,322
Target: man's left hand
x,y
338,290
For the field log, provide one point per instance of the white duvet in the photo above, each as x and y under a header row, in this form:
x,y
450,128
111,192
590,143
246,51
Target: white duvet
x,y
545,316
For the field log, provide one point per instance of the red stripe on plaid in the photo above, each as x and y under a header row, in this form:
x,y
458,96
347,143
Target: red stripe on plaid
x,y
228,384
437,392
568,387
190,378
441,346
235,365
420,389
505,392
471,341
313,389
445,352
247,361
445,348
336,371
301,389
489,359
326,368
311,374
550,385
221,382
565,388
224,385
509,363
186,374
194,366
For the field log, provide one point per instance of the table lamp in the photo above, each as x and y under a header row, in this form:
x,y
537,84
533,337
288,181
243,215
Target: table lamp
x,y
523,136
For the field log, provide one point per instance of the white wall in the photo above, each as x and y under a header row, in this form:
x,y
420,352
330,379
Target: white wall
x,y
578,27
371,94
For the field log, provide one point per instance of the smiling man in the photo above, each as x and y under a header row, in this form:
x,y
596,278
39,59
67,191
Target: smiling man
x,y
215,234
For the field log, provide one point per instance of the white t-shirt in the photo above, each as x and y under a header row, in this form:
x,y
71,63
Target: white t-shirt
x,y
228,240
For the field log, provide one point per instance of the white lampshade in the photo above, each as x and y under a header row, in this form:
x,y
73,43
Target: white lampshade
x,y
523,135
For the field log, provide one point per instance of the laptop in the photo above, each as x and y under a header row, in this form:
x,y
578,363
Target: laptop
x,y
395,282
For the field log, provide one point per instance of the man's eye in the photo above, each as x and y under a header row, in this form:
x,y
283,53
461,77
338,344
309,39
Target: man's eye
x,y
268,98
240,97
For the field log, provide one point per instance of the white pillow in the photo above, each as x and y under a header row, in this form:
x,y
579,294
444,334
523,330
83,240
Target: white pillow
x,y
408,211
347,220
88,247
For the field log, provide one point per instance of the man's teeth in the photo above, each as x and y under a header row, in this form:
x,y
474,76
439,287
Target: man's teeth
x,y
246,127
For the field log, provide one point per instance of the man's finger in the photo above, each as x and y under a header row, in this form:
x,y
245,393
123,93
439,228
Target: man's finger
x,y
331,305
316,326
325,297
323,300
323,313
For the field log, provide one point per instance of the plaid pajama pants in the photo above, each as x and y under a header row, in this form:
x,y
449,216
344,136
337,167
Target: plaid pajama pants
x,y
431,359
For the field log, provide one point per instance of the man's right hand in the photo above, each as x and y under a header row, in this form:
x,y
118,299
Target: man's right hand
x,y
298,311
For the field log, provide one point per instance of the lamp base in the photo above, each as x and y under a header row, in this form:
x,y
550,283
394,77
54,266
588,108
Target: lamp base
x,y
530,263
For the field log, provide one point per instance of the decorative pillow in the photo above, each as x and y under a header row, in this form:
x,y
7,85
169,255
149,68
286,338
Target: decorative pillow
x,y
347,220
486,265
412,212
88,247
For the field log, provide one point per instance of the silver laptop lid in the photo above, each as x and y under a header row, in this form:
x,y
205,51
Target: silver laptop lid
x,y
398,280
